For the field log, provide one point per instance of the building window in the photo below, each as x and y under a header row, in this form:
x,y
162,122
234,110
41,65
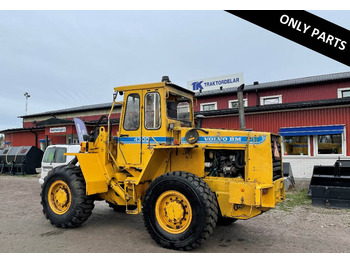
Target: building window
x,y
75,140
209,106
234,103
296,145
329,144
270,100
343,92
152,111
327,140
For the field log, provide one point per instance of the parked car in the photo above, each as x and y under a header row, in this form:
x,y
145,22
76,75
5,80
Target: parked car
x,y
54,156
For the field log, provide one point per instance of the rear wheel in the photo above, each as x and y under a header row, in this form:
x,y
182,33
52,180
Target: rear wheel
x,y
179,210
64,199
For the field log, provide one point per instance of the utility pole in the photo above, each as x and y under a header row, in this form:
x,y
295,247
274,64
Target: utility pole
x,y
27,96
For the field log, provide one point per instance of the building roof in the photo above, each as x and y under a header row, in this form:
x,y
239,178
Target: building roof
x,y
231,111
268,85
281,84
52,122
280,107
20,129
73,109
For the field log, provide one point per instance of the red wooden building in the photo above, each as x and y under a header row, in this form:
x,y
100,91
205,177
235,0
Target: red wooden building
x,y
57,127
311,113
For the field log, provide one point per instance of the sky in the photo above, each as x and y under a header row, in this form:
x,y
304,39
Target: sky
x,y
66,59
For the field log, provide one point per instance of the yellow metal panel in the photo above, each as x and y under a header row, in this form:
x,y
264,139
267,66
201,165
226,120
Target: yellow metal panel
x,y
242,193
189,160
129,154
94,173
280,193
156,166
221,186
259,166
268,198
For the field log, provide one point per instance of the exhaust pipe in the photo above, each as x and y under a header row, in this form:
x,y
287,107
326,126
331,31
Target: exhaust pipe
x,y
199,121
241,107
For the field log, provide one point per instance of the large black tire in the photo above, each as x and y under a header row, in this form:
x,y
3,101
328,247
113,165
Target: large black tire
x,y
196,205
226,221
63,197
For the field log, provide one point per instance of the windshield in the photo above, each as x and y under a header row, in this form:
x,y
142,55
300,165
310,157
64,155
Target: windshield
x,y
55,155
179,108
49,155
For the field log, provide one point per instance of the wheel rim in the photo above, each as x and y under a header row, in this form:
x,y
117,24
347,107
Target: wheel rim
x,y
59,197
173,212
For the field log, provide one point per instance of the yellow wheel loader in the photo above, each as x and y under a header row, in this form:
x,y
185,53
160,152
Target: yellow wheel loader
x,y
185,179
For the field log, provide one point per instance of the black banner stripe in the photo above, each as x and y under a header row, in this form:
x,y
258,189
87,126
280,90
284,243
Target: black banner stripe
x,y
305,29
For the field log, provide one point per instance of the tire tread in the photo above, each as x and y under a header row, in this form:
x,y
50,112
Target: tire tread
x,y
84,203
211,209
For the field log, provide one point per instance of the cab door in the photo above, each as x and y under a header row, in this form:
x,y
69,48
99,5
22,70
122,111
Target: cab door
x,y
152,129
129,140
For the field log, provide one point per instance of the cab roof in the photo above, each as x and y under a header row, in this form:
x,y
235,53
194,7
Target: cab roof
x,y
153,85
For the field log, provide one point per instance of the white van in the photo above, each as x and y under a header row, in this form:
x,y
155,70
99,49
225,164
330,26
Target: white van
x,y
54,156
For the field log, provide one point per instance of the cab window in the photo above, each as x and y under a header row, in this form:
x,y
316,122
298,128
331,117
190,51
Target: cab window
x,y
132,113
183,111
152,111
179,108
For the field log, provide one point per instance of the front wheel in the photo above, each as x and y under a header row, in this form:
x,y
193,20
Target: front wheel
x,y
63,197
179,210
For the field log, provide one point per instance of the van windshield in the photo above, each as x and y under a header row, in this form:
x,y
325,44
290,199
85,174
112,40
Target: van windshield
x,y
49,155
55,155
59,155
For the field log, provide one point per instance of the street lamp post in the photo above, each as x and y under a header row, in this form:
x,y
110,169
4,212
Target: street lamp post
x,y
27,96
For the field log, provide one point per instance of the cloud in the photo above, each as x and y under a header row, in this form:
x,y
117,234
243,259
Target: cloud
x,y
72,58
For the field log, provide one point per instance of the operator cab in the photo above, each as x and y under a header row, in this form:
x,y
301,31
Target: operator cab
x,y
152,115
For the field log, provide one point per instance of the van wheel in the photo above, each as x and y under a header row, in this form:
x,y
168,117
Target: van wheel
x,y
179,210
64,199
